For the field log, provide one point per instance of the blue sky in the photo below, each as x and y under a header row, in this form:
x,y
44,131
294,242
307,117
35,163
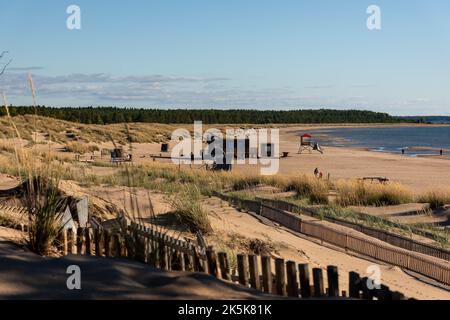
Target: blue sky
x,y
262,54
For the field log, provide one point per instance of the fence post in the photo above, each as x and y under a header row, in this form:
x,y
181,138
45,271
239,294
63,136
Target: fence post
x,y
163,259
280,276
384,293
98,242
224,266
266,274
62,239
333,281
70,241
88,241
242,269
354,284
107,239
318,282
292,284
305,287
198,265
212,262
176,261
366,292
80,232
115,245
188,262
255,281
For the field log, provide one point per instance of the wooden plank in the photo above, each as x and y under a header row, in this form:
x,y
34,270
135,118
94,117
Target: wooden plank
x,y
188,262
266,274
70,241
224,266
87,234
107,239
305,286
333,281
80,237
366,292
163,259
98,243
255,281
242,269
280,277
176,261
62,242
115,245
292,284
198,265
212,262
83,212
354,285
318,282
182,261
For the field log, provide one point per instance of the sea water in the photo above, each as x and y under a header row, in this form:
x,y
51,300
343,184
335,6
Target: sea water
x,y
423,140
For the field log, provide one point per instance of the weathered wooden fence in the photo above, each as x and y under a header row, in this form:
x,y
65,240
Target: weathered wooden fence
x,y
274,276
431,267
14,217
386,236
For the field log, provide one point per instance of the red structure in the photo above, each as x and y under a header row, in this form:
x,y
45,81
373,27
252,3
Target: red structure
x,y
306,144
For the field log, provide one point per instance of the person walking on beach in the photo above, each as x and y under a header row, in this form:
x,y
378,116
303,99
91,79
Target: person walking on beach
x,y
316,172
403,151
441,152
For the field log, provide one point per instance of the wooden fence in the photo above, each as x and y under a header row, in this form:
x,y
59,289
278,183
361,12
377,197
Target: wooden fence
x,y
389,237
274,276
428,266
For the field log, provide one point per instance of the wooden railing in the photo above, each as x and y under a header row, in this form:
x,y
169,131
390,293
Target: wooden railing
x,y
386,236
272,276
431,267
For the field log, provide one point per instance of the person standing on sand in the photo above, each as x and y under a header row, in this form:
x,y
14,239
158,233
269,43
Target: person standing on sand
x,y
316,172
441,152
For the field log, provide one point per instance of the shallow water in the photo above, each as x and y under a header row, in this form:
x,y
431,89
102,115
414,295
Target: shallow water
x,y
414,140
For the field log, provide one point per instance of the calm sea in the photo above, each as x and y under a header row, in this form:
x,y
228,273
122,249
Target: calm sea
x,y
415,140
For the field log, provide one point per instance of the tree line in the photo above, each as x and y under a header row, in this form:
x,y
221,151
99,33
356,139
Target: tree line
x,y
109,115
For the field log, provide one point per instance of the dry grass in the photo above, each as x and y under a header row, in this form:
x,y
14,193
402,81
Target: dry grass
x,y
65,131
315,190
190,212
436,198
81,148
363,194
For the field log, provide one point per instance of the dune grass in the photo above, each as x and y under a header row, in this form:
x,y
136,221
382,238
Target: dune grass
x,y
358,193
436,198
190,212
315,190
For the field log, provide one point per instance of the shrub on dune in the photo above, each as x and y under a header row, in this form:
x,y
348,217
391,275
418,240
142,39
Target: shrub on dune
x,y
436,198
314,189
189,210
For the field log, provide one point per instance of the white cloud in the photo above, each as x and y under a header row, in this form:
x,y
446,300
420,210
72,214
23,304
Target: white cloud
x,y
196,92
